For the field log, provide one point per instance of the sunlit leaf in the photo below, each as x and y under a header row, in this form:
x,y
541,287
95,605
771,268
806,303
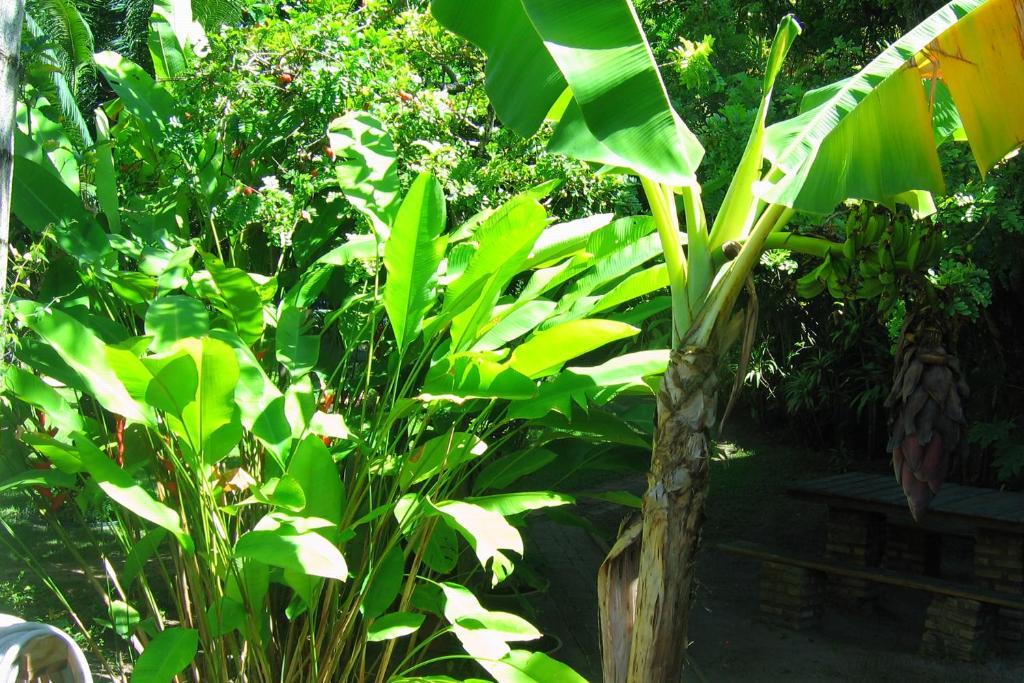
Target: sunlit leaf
x,y
83,351
487,532
369,175
297,352
413,254
394,625
166,656
123,490
619,113
547,351
171,318
305,552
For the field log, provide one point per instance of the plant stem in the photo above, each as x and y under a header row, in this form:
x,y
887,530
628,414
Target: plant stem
x,y
803,244
665,217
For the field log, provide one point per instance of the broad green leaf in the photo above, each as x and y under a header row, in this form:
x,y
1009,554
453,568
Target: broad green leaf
x,y
40,200
331,425
473,375
235,294
316,472
82,350
383,583
297,352
369,175
166,656
305,552
199,399
123,617
175,317
300,405
445,452
50,478
596,426
355,247
483,633
179,15
505,471
442,551
132,286
521,666
871,136
394,625
635,286
168,57
736,216
503,244
45,142
170,31
280,492
487,532
259,400
610,268
35,392
980,61
607,241
63,456
513,322
564,239
177,270
148,102
507,504
106,175
413,254
121,488
619,114
547,351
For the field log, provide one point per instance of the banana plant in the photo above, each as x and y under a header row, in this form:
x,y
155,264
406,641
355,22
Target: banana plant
x,y
587,67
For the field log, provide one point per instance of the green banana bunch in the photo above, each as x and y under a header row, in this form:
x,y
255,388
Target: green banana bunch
x,y
878,249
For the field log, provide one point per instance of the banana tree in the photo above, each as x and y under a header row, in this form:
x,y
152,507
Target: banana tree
x,y
586,66
12,15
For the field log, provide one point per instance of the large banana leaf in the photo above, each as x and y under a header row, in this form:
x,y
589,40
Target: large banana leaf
x,y
617,111
871,136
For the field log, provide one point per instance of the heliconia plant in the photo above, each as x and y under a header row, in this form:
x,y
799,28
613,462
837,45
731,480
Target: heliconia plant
x,y
873,136
313,482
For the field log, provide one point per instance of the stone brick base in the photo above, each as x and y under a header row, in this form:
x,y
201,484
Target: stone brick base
x,y
791,595
999,565
855,538
957,628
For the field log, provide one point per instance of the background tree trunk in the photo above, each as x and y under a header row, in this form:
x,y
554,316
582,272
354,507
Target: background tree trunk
x,y
12,14
672,513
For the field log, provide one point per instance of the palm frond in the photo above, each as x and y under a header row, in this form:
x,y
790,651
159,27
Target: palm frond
x,y
69,35
59,91
214,13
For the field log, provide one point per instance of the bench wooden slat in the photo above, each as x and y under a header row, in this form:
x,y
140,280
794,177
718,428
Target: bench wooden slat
x,y
864,487
826,483
996,505
955,504
876,574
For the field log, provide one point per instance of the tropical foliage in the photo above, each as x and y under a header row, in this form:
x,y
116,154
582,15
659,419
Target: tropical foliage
x,y
311,313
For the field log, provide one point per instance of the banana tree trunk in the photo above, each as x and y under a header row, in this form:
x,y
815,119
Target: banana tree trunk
x,y
660,586
12,14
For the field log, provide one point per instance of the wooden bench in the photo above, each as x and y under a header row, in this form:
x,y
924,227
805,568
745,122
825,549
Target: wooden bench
x,y
959,620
